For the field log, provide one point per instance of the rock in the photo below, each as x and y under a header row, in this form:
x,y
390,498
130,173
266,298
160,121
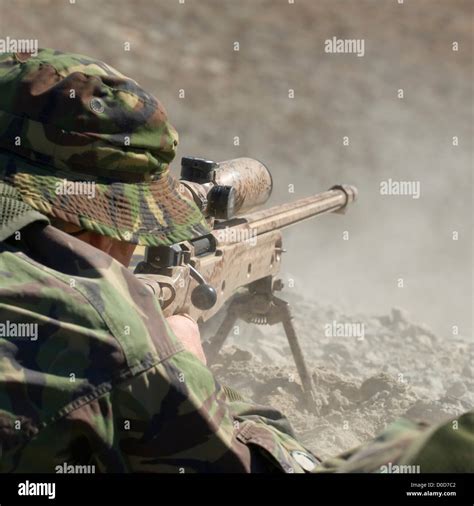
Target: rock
x,y
371,356
335,418
427,411
399,316
425,340
457,389
467,371
336,399
338,349
434,386
271,356
240,355
376,384
216,368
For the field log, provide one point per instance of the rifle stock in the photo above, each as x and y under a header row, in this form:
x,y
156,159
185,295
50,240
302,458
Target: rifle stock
x,y
198,277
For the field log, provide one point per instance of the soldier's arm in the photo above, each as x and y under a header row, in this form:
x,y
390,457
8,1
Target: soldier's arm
x,y
115,387
177,418
409,446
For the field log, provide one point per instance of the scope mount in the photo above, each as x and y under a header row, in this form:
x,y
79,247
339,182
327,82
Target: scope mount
x,y
220,200
198,170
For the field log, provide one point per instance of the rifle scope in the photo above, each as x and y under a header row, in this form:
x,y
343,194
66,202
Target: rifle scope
x,y
226,189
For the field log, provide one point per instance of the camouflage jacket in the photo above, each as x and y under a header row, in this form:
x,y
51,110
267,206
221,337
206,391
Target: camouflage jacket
x,y
91,374
408,446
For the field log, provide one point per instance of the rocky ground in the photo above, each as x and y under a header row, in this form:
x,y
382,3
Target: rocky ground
x,y
398,368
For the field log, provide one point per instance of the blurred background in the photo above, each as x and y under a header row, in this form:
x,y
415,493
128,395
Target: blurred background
x,y
176,45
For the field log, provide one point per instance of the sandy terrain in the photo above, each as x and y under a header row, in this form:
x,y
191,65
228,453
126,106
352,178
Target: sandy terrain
x,y
394,368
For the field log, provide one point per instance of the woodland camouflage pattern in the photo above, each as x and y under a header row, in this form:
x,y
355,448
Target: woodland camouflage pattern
x,y
107,383
409,446
70,118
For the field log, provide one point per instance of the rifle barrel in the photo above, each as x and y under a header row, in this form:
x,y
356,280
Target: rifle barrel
x,y
285,215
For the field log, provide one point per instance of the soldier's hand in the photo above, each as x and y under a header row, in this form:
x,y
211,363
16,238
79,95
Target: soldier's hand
x,y
187,331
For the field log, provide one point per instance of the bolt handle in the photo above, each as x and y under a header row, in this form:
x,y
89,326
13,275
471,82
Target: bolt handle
x,y
204,296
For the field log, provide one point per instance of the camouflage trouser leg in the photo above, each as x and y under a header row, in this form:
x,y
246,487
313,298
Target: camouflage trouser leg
x,y
410,447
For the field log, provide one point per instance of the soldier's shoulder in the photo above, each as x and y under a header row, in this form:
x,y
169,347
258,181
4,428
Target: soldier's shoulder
x,y
86,319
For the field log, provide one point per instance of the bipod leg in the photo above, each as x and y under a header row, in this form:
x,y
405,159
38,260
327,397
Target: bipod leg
x,y
287,321
217,341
